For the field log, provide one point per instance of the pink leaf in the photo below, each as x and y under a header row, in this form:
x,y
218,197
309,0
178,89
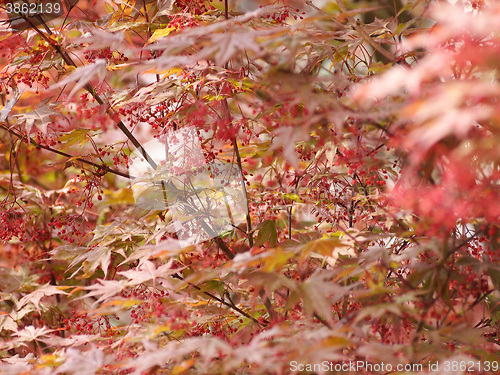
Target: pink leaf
x,y
37,295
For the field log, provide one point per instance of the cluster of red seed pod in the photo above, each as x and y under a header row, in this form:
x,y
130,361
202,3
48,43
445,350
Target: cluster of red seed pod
x,y
85,324
196,7
12,225
152,305
114,57
285,13
67,226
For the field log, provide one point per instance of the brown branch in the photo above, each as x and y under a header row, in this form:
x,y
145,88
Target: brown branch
x,y
244,188
69,61
230,305
222,245
267,304
103,167
227,115
322,321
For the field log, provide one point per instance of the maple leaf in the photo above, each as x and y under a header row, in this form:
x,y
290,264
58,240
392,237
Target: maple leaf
x,y
286,137
160,33
151,357
99,256
379,352
37,295
41,116
165,7
267,232
398,78
167,248
329,248
100,39
8,107
82,363
12,280
147,271
67,252
220,39
257,351
16,365
316,291
30,333
7,323
105,289
377,311
209,348
83,75
227,45
75,340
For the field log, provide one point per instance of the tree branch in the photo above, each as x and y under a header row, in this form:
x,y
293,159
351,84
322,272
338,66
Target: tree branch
x,y
230,305
103,167
69,61
244,188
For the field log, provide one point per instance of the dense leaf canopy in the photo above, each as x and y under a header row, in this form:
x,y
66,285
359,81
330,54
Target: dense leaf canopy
x,y
248,187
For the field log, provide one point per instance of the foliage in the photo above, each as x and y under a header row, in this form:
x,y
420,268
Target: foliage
x,y
360,145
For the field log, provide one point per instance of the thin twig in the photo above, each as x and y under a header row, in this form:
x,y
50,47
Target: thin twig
x,y
267,304
244,188
103,167
230,305
69,61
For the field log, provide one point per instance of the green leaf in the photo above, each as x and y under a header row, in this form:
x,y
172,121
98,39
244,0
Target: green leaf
x,y
494,273
293,197
419,276
76,136
267,232
209,286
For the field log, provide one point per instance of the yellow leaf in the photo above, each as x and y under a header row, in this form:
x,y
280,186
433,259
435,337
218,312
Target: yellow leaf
x,y
108,7
276,260
323,246
48,360
69,68
160,33
123,303
345,273
112,68
121,196
293,197
328,247
171,71
183,367
161,329
335,341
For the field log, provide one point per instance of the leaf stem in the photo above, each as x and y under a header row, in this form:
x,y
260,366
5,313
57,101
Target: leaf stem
x,y
244,188
230,305
103,167
69,61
